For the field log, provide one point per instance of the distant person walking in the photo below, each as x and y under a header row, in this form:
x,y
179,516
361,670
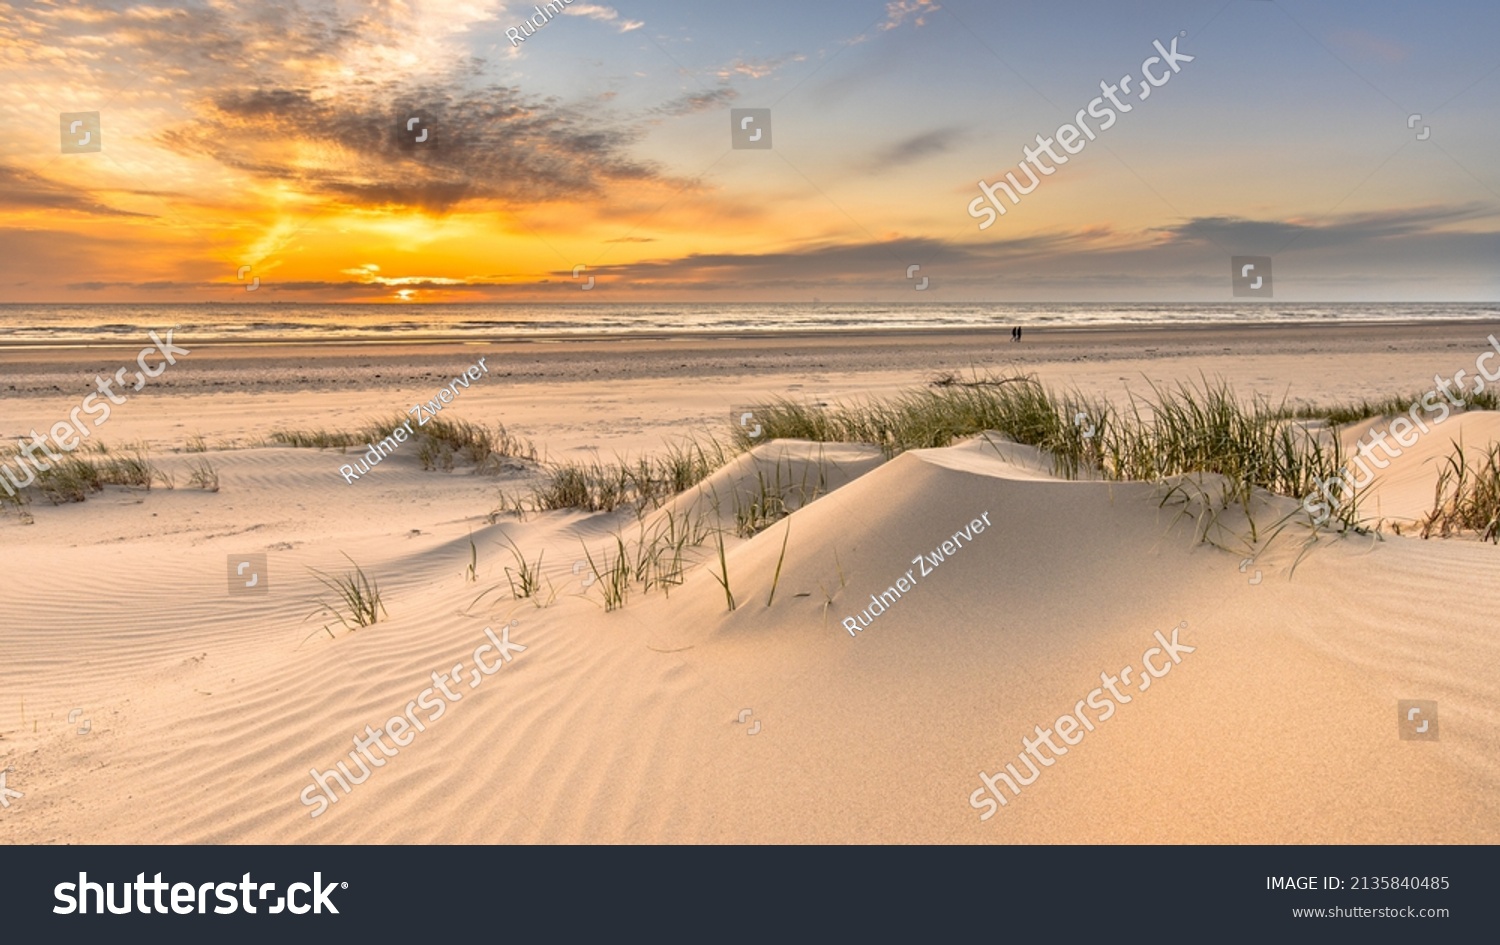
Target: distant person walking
x,y
1018,332
1014,333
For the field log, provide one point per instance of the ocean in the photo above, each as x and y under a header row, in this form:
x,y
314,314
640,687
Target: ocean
x,y
272,321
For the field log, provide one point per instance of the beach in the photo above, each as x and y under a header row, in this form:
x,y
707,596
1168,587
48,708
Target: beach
x,y
549,386
211,709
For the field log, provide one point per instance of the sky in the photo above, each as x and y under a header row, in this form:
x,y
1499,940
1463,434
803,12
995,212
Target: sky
x,y
275,144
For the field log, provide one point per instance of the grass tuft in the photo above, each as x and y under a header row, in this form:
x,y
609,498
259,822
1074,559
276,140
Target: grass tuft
x,y
643,484
440,443
356,593
202,475
1467,499
1183,430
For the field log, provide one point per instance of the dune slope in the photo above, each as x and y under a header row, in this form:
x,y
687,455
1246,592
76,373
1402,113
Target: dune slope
x,y
1280,725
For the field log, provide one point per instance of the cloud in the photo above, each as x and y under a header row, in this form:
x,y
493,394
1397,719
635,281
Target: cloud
x,y
757,68
1402,261
859,266
1342,231
603,14
915,148
899,11
490,143
692,102
305,99
24,190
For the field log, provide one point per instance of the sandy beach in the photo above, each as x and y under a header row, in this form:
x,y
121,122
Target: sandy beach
x,y
166,705
565,391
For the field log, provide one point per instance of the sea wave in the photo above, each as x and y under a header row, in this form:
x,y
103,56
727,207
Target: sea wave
x,y
82,324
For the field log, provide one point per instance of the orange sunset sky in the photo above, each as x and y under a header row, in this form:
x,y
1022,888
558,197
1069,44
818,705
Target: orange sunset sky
x,y
267,135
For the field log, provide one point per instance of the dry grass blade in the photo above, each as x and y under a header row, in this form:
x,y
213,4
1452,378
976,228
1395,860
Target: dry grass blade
x,y
776,579
356,592
1467,499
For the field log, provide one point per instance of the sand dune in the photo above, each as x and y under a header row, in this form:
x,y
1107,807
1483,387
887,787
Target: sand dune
x,y
208,711
1403,491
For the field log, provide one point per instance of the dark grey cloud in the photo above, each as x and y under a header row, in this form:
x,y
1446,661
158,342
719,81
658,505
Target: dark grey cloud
x,y
484,143
915,148
1347,230
21,189
874,265
267,91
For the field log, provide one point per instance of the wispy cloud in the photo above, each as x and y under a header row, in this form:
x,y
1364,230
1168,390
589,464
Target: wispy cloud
x,y
24,190
915,148
604,14
690,103
758,68
898,12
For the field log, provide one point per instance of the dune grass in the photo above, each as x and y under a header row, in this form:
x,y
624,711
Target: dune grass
x,y
131,469
1467,498
1201,428
780,560
660,558
71,480
87,470
318,439
356,600
526,580
655,559
1187,429
74,477
202,475
642,484
660,555
1353,412
16,499
723,576
440,443
777,494
612,573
